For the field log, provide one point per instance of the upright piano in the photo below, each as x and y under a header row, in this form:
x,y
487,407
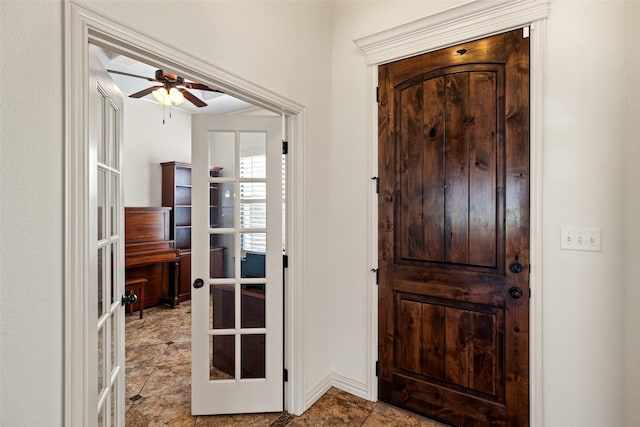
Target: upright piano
x,y
150,254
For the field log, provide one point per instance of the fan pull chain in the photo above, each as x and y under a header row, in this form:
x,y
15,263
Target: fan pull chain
x,y
163,112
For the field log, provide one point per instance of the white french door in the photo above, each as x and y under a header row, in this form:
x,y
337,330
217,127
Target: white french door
x,y
106,280
237,289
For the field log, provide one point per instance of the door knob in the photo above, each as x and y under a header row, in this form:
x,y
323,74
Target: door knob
x,y
515,292
516,267
198,283
129,299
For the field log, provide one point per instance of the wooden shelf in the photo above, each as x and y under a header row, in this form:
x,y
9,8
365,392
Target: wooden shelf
x,y
176,193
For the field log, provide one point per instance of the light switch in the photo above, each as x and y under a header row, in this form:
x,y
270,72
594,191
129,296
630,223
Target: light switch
x,y
581,239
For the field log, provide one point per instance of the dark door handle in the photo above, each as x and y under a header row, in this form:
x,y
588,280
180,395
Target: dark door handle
x,y
515,292
129,299
516,267
198,283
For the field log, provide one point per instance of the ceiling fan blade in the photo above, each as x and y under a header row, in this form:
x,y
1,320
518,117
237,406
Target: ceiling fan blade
x,y
144,92
132,75
199,86
192,98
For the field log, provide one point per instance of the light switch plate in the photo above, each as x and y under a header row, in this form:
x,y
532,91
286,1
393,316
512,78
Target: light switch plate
x,y
581,239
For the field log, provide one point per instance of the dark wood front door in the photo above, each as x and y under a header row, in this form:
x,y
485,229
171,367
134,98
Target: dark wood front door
x,y
454,232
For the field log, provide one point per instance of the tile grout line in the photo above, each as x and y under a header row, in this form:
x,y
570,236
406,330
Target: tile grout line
x,y
282,420
152,367
367,417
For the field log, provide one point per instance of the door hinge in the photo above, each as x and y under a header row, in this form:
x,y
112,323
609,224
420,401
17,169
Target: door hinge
x,y
285,375
285,147
377,180
285,261
377,368
377,94
375,270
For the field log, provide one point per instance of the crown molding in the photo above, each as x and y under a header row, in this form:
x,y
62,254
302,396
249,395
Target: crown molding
x,y
469,21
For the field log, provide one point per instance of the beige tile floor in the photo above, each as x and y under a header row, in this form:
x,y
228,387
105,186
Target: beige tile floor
x,y
158,384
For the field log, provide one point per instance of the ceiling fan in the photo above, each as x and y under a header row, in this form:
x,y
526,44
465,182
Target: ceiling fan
x,y
172,89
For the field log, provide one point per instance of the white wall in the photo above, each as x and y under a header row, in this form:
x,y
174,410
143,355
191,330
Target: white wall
x,y
287,47
632,213
31,216
351,184
148,142
584,138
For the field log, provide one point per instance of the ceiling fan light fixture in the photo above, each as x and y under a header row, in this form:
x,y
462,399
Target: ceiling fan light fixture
x,y
172,89
162,96
168,97
176,96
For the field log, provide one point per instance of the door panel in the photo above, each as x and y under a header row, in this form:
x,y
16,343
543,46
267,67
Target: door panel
x,y
237,312
106,345
453,215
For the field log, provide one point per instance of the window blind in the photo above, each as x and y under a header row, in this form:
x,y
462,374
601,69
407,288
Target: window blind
x,y
253,206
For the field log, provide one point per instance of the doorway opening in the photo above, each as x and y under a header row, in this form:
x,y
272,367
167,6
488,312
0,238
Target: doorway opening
x,y
157,181
84,28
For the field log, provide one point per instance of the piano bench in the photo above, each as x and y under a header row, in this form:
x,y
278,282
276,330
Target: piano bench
x,y
136,286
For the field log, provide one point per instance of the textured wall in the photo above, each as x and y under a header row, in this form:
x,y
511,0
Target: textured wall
x,y
31,215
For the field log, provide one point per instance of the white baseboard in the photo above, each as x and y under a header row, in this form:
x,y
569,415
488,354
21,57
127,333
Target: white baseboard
x,y
317,391
357,388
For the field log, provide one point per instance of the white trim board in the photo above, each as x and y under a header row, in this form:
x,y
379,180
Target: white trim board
x,y
470,21
339,381
357,388
317,391
82,27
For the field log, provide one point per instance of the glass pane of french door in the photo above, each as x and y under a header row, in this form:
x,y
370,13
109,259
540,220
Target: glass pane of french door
x,y
106,350
237,315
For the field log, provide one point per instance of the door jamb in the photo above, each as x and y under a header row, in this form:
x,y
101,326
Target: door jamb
x,y
470,21
82,27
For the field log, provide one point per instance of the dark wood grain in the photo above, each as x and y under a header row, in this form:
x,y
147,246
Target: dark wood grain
x,y
433,341
483,132
149,253
453,214
386,215
176,194
433,191
146,224
517,224
457,347
457,169
411,171
410,340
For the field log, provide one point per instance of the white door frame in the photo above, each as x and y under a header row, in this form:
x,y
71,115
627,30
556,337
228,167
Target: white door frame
x,y
82,27
469,21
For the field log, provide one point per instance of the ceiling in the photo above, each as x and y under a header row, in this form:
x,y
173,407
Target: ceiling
x,y
217,103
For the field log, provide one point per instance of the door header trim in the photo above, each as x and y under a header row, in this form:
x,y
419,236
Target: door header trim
x,y
469,21
125,41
